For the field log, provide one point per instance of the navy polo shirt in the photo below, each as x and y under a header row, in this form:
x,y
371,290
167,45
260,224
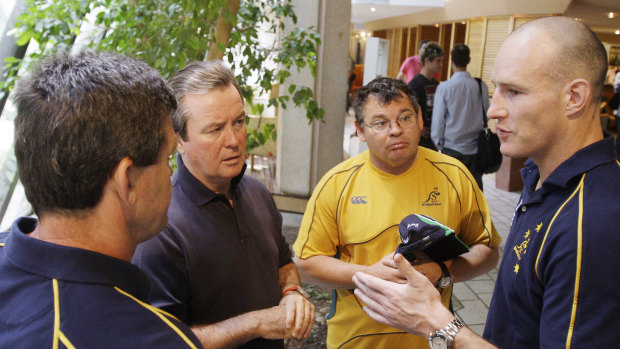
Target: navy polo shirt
x,y
215,261
57,295
558,283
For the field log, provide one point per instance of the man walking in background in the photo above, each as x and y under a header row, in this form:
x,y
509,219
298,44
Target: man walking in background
x,y
457,113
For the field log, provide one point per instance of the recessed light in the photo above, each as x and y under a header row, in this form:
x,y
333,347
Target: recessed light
x,y
611,15
372,9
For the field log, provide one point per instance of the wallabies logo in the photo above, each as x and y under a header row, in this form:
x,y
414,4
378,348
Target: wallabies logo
x,y
432,198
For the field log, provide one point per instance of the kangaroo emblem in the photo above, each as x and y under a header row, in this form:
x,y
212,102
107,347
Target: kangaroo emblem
x,y
432,198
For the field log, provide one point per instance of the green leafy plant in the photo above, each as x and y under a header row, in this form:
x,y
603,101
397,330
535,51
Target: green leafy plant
x,y
168,34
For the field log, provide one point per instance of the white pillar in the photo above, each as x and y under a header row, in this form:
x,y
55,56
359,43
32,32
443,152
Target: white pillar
x,y
306,152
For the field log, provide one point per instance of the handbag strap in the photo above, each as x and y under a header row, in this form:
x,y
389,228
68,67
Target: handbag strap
x,y
484,114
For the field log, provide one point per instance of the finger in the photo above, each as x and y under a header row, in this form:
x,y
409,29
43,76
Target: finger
x,y
300,314
373,300
376,316
369,282
309,317
290,314
414,278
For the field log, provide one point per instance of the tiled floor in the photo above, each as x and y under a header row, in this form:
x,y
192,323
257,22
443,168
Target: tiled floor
x,y
471,298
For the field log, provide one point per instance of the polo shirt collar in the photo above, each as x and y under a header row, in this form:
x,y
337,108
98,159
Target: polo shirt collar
x,y
69,263
194,189
584,160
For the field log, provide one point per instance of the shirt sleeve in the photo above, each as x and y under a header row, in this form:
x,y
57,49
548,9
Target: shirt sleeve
x,y
318,234
163,260
438,126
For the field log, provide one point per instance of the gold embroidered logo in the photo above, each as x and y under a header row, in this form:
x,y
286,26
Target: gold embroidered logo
x,y
521,249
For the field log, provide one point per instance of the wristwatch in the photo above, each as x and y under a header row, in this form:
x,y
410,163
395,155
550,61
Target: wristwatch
x,y
442,339
445,280
297,289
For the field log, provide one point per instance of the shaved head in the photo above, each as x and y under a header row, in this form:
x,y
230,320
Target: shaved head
x,y
577,53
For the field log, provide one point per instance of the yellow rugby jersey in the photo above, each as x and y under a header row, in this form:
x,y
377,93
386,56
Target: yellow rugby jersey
x,y
354,213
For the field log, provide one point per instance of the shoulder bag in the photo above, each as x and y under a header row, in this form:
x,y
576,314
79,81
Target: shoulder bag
x,y
489,157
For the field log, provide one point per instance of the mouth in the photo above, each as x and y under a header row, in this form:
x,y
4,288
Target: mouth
x,y
502,133
232,159
398,145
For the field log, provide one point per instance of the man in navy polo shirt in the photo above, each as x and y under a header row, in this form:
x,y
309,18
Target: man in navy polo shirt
x,y
222,265
558,281
92,141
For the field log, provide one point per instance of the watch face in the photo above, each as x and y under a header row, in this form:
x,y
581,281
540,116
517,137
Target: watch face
x,y
438,343
444,282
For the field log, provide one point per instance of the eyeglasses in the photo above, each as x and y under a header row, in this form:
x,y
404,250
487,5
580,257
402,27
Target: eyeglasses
x,y
382,126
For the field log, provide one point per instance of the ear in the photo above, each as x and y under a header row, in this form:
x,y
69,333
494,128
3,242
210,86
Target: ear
x,y
124,180
578,96
180,142
360,132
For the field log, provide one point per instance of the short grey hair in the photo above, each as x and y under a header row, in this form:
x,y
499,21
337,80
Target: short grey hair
x,y
198,78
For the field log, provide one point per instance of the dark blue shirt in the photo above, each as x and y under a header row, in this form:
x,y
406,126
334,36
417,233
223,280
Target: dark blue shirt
x,y
558,284
58,295
215,261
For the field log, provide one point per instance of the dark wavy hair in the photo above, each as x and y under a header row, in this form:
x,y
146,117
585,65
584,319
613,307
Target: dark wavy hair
x,y
385,90
77,117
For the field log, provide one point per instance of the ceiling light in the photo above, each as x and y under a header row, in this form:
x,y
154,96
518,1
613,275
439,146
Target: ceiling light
x,y
372,9
611,15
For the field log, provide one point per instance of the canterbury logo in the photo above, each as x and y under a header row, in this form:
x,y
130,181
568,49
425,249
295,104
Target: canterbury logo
x,y
359,200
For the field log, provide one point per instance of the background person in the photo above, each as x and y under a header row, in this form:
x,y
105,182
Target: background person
x,y
424,86
412,66
457,113
355,210
221,265
562,246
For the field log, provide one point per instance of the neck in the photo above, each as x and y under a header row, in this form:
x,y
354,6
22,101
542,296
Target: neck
x,y
577,136
427,72
87,232
455,68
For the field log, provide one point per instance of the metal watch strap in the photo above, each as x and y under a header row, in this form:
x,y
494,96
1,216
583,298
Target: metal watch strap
x,y
453,328
447,333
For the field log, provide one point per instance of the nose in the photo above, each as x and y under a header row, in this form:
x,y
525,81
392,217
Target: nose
x,y
231,137
497,109
395,128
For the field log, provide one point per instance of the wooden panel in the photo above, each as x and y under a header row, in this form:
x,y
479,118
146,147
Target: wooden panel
x,y
429,32
497,30
476,46
413,42
459,33
446,35
522,20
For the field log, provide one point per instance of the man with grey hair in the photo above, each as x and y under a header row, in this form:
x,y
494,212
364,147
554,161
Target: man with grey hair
x,y
557,284
222,265
92,141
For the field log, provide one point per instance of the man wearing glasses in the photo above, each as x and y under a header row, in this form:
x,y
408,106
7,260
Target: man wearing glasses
x,y
351,221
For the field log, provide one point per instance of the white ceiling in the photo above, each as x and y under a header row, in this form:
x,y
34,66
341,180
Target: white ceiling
x,y
592,12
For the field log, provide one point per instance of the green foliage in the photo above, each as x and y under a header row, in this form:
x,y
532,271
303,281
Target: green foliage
x,y
168,34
